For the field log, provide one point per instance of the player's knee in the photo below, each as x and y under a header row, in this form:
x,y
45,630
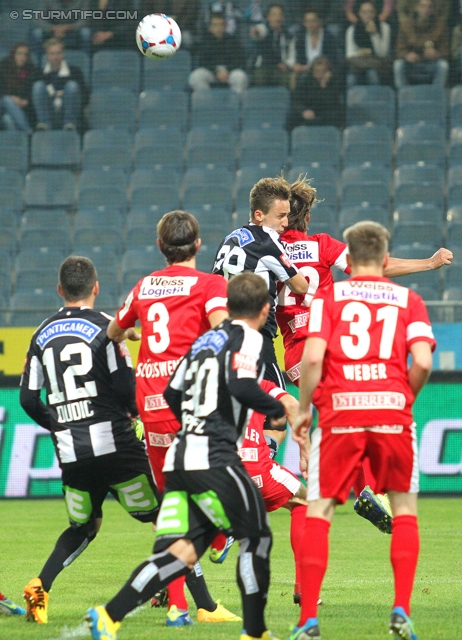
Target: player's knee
x,y
87,530
260,546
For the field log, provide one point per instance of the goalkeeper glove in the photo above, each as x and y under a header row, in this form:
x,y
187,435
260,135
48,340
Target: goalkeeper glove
x,y
138,428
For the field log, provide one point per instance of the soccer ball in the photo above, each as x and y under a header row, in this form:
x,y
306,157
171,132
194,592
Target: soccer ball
x,y
158,36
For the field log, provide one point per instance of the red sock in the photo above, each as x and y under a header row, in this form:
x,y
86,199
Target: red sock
x,y
219,541
404,554
315,545
175,591
297,524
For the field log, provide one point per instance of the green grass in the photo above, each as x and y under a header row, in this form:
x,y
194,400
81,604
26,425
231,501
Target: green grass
x,y
357,590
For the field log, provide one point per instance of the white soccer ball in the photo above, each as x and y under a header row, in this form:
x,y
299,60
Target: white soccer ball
x,y
158,36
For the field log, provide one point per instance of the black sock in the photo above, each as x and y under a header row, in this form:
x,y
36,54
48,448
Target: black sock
x,y
196,584
145,581
70,544
253,576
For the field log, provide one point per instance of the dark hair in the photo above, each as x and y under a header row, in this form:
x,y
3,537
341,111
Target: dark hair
x,y
178,232
367,242
277,5
266,191
217,14
11,72
302,197
322,60
77,277
247,295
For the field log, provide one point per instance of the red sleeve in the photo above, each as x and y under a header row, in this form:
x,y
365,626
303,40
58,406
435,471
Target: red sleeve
x,y
334,252
418,328
320,323
127,315
216,295
272,389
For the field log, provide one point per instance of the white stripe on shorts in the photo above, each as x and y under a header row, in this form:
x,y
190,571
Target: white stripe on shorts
x,y
414,486
282,476
314,491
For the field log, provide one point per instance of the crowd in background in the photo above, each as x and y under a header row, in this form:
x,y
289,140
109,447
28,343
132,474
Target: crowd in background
x,y
316,49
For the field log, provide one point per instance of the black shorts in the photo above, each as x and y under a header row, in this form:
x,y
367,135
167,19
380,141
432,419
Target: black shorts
x,y
268,356
199,503
126,474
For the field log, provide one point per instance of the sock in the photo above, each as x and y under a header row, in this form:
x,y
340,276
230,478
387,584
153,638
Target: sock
x,y
253,576
404,553
176,596
219,542
315,544
70,544
297,523
196,584
145,581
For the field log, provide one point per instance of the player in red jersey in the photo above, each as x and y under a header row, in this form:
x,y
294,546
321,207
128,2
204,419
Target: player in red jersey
x,y
174,306
354,368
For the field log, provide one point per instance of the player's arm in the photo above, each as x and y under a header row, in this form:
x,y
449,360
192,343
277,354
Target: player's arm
x,y
174,390
401,267
298,284
217,317
248,392
121,327
31,384
420,369
292,407
122,376
119,334
310,375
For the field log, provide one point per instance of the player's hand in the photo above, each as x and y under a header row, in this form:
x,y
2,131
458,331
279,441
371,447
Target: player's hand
x,y
132,335
138,428
441,257
278,422
301,428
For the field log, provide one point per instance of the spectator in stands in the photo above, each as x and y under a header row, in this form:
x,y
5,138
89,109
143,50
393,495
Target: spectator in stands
x,y
111,33
406,8
74,31
185,12
220,58
230,10
367,47
275,49
385,10
59,97
316,99
313,41
17,75
422,47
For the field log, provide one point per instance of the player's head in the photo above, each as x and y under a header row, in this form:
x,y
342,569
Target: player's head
x,y
270,203
248,297
78,280
302,196
367,244
178,236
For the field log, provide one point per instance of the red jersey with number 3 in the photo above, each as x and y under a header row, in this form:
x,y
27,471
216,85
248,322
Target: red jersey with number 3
x,y
313,256
369,324
173,306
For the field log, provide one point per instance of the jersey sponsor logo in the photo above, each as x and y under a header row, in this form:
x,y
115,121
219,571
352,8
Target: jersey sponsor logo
x,y
243,236
214,340
83,329
242,361
74,411
374,371
258,480
374,292
298,321
294,373
285,260
353,401
156,369
153,403
302,251
380,428
160,439
155,287
249,454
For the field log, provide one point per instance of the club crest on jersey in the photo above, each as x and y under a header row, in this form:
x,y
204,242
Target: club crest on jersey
x,y
83,329
244,236
214,340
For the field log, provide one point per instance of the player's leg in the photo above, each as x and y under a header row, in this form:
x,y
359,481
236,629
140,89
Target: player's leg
x,y
9,608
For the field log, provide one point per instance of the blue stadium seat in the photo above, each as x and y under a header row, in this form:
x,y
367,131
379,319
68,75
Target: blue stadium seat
x,y
44,258
351,215
103,257
9,219
246,177
419,183
35,299
371,144
99,236
323,220
107,302
6,273
453,294
366,184
454,186
218,196
207,177
46,237
168,74
14,150
455,106
107,138
418,212
262,145
240,217
114,68
112,108
31,279
421,232
215,106
103,177
414,251
156,137
82,60
146,259
140,235
422,104
169,157
373,104
315,146
47,219
454,226
111,196
113,156
8,240
205,258
211,155
11,197
55,149
108,281
265,107
164,108
455,147
163,197
50,188
167,176
317,174
11,178
417,143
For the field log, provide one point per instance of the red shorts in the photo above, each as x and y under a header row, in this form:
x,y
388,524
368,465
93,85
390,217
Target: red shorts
x,y
277,484
292,360
337,454
159,437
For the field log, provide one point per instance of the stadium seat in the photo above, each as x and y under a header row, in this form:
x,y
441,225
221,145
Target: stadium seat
x,y
9,219
265,107
207,177
454,226
34,305
416,143
426,292
14,150
315,146
44,258
156,137
262,145
217,196
372,144
422,104
454,186
140,235
205,258
240,217
418,212
107,302
31,279
163,108
103,257
422,232
50,188
351,215
452,294
414,251
167,176
107,138
455,106
453,276
11,178
366,184
372,104
47,224
113,156
99,236
246,177
112,108
211,155
8,240
113,68
419,183
55,149
169,74
317,174
82,60
164,197
323,220
455,147
146,259
111,196
106,217
11,197
32,318
215,106
103,177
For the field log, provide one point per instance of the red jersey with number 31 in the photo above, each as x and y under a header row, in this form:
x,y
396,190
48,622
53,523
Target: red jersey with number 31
x,y
369,324
173,306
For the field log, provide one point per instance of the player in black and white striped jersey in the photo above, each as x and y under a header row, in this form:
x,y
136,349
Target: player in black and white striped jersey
x,y
90,406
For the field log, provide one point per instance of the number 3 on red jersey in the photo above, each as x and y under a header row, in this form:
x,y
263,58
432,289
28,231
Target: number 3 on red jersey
x,y
160,339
